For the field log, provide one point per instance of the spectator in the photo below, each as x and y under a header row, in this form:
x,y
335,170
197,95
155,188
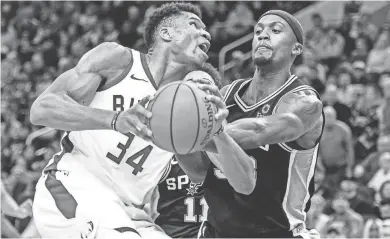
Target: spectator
x,y
369,29
331,98
370,165
384,191
359,72
331,48
315,34
336,150
359,200
361,50
373,228
241,68
384,109
378,60
346,221
310,60
382,175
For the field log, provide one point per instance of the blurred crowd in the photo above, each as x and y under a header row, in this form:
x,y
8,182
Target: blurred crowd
x,y
348,64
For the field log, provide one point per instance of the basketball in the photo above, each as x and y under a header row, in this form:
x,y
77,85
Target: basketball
x,y
182,119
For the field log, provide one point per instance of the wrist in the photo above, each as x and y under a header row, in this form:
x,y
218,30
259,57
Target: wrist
x,y
219,132
114,120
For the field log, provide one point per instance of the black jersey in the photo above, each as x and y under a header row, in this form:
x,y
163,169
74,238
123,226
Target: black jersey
x,y
285,174
181,205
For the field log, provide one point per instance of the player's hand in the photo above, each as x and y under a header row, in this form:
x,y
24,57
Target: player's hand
x,y
134,120
215,97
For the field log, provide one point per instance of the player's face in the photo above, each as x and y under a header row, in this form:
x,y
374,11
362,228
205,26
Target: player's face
x,y
191,41
273,40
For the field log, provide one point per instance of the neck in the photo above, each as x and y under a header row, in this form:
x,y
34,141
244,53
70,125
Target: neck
x,y
164,68
264,83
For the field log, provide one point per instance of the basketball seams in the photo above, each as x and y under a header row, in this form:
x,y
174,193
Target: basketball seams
x,y
171,118
150,108
197,110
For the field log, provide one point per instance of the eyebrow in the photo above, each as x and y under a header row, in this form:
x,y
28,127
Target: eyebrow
x,y
272,23
198,20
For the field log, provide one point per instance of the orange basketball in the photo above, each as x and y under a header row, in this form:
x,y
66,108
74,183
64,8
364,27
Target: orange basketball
x,y
183,120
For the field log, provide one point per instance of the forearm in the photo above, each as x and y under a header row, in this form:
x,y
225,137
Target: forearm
x,y
195,165
60,111
236,165
251,133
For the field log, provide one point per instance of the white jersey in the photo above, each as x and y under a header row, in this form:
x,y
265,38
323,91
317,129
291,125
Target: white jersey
x,y
125,163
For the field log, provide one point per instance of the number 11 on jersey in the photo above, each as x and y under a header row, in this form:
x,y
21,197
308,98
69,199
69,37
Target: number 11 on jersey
x,y
190,215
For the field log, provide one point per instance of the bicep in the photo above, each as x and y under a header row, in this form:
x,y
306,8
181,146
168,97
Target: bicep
x,y
82,82
81,87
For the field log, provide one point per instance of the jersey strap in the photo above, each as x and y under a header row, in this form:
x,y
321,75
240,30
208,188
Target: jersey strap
x,y
103,86
233,87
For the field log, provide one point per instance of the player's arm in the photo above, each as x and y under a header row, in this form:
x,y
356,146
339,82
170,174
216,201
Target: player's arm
x,y
196,164
64,105
298,116
231,159
238,168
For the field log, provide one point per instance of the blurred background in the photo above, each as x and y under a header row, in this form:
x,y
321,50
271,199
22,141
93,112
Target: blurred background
x,y
346,58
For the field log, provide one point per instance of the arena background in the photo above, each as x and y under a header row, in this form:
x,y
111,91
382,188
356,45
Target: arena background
x,y
347,59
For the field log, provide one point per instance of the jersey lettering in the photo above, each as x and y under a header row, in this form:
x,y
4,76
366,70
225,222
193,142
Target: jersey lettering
x,y
172,184
118,102
144,153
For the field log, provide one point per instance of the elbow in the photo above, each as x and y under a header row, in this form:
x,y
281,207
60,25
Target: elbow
x,y
246,188
37,111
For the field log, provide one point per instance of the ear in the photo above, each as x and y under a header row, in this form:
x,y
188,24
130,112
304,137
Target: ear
x,y
297,49
166,33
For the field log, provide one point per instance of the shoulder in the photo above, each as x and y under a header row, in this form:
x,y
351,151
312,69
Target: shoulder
x,y
106,56
305,99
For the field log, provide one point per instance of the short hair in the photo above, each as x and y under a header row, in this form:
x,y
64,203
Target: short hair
x,y
316,15
210,69
161,14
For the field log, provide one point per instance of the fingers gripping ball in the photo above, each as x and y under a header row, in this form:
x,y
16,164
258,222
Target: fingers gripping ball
x,y
183,120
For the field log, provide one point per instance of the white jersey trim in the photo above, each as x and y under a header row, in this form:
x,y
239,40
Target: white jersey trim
x,y
247,108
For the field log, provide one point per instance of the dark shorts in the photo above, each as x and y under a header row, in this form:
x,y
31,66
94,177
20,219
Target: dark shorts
x,y
207,231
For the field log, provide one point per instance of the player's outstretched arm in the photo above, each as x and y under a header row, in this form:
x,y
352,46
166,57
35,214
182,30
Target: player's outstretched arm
x,y
64,105
298,116
231,159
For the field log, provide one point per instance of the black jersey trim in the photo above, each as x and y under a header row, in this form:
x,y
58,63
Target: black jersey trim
x,y
166,171
229,91
103,86
247,108
147,70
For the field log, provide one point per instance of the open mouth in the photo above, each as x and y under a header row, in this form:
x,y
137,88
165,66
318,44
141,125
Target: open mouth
x,y
204,47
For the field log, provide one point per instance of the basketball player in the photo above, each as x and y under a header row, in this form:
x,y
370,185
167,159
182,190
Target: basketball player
x,y
178,204
108,167
278,120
